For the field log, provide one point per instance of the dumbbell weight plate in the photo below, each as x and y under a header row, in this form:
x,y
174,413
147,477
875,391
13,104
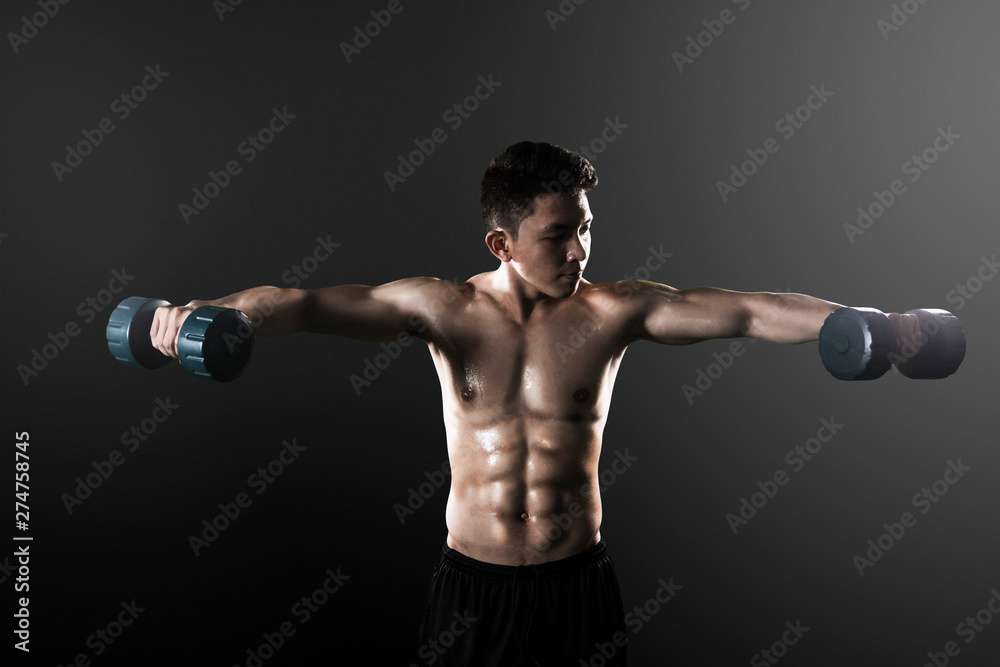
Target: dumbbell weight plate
x,y
215,343
942,351
128,333
855,343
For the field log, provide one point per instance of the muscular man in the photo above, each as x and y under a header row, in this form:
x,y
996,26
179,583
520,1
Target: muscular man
x,y
524,417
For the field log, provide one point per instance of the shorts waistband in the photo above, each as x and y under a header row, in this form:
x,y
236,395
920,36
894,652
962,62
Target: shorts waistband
x,y
586,558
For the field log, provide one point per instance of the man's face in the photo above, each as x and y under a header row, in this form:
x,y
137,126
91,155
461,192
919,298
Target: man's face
x,y
553,244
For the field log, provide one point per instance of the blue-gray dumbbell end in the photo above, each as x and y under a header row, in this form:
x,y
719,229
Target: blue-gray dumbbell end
x,y
856,343
128,333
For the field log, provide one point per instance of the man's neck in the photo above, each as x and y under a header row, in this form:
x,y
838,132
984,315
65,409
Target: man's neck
x,y
516,296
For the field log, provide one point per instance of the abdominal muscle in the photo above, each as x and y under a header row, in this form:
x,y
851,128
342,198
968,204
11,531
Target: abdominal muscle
x,y
524,490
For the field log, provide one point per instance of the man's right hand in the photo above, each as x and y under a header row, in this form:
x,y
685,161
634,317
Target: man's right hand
x,y
166,326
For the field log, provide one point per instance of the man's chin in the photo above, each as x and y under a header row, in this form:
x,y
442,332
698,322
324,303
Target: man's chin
x,y
565,288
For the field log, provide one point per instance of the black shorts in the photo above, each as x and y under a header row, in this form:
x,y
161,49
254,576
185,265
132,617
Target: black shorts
x,y
559,613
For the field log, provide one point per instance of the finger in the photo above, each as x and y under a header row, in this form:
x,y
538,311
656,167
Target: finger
x,y
915,331
154,328
174,335
179,315
899,326
164,328
913,338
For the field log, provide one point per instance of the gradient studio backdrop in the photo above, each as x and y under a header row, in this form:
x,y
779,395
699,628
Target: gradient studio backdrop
x,y
895,81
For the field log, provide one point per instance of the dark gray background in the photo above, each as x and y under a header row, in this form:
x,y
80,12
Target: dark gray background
x,y
323,177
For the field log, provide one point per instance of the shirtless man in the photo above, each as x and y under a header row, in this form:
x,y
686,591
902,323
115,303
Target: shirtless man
x,y
524,418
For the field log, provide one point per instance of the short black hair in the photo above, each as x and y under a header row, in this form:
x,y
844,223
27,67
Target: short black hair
x,y
522,172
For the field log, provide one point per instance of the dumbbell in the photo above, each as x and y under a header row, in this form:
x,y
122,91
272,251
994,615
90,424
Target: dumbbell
x,y
213,343
860,344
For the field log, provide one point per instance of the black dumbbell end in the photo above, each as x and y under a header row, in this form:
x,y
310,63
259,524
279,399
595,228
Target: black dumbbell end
x,y
215,343
942,350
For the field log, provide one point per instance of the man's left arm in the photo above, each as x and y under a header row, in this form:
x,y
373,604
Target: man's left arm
x,y
663,314
786,317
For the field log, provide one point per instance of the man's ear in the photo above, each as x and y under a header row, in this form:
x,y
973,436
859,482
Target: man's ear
x,y
498,242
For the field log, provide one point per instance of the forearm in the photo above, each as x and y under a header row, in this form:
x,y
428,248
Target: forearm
x,y
787,318
273,311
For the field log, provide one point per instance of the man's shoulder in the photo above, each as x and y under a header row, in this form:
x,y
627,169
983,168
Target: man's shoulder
x,y
429,289
623,293
431,285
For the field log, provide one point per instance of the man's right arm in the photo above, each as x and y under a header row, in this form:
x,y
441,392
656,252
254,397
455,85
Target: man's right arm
x,y
356,311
